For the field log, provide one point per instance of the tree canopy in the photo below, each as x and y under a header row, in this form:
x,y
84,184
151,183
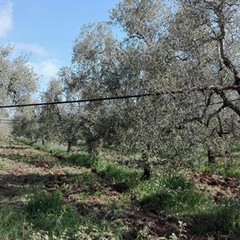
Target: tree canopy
x,y
184,53
17,84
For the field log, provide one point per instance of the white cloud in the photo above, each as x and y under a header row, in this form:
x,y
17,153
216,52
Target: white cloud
x,y
6,19
50,67
33,48
46,69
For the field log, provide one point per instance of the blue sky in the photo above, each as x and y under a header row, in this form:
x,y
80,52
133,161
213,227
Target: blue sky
x,y
47,29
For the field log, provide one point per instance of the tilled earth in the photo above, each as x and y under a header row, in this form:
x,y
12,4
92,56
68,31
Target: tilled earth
x,y
22,168
220,187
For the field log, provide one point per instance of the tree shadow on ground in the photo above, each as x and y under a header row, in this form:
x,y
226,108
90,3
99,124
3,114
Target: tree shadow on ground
x,y
20,147
108,212
128,216
12,186
34,159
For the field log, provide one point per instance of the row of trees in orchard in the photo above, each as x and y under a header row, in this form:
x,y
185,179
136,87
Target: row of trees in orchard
x,y
184,54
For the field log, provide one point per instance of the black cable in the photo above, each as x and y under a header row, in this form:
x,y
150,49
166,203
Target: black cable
x,y
112,98
79,101
197,89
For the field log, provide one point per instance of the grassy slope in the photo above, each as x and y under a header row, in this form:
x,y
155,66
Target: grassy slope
x,y
73,197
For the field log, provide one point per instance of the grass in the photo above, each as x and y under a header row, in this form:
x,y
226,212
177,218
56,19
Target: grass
x,y
224,218
172,194
47,217
224,168
81,160
50,215
47,212
48,147
12,223
83,205
179,198
117,173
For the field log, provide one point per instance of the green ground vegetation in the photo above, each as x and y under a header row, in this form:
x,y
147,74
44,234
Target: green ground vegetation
x,y
50,194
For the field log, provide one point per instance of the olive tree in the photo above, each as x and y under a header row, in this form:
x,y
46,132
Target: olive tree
x,y
17,84
95,74
25,123
49,120
206,48
191,64
57,122
18,81
5,125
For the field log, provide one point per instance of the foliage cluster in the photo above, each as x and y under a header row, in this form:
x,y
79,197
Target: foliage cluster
x,y
17,84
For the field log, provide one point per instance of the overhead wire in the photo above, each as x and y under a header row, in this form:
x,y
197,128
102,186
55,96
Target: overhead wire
x,y
98,99
198,89
77,101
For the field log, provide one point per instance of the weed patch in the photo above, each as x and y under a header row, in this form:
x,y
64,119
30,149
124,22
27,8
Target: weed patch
x,y
81,160
229,170
117,173
47,212
224,218
12,222
174,195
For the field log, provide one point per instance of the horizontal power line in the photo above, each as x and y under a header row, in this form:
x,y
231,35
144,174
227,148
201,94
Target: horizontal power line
x,y
198,89
78,101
